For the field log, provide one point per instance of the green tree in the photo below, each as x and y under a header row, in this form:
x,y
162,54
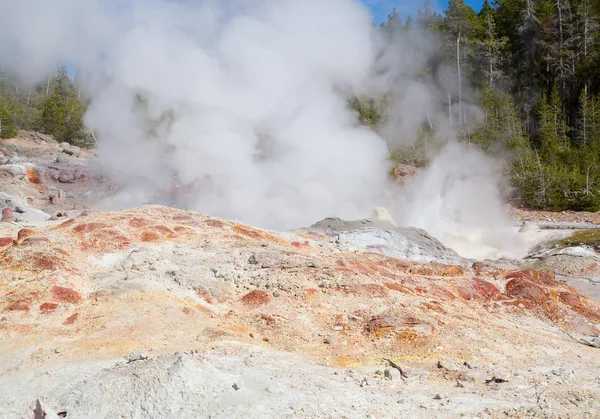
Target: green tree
x,y
462,29
61,112
393,25
491,46
7,120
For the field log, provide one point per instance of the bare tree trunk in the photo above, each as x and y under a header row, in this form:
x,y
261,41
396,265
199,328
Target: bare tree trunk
x,y
593,113
27,106
28,98
585,110
430,123
542,183
587,180
491,70
450,108
490,34
48,87
560,45
586,36
585,27
459,79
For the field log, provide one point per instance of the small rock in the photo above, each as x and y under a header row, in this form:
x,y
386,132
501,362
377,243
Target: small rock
x,y
8,215
276,293
66,177
72,150
325,284
236,386
62,159
460,385
437,397
366,381
138,357
393,374
591,341
331,339
529,226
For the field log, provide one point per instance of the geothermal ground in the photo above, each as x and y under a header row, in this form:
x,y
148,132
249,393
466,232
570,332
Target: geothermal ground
x,y
155,312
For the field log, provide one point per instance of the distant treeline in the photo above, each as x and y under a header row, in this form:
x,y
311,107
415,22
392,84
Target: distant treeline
x,y
54,107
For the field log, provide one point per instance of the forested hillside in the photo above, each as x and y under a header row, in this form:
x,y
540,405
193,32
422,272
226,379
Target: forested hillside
x,y
531,66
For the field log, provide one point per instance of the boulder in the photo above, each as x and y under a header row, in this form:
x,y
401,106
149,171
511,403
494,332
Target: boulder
x,y
60,159
71,150
17,171
66,177
379,236
575,262
23,212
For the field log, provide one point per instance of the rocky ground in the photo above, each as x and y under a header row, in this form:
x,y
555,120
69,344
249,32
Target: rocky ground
x,y
155,312
580,217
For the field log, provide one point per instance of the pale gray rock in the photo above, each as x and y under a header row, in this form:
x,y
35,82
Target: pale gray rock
x,y
382,237
24,212
18,171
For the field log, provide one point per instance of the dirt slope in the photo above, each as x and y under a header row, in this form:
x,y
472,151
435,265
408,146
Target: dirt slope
x,y
157,280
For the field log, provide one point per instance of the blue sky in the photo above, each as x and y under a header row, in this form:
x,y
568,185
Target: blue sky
x,y
381,8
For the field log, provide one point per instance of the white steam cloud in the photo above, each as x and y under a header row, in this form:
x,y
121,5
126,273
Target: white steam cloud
x,y
457,199
251,99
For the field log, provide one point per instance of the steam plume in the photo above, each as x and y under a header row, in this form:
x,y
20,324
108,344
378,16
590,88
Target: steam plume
x,y
244,103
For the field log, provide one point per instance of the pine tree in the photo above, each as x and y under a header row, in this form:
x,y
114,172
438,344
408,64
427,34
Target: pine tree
x,y
492,46
393,25
61,113
7,125
462,28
